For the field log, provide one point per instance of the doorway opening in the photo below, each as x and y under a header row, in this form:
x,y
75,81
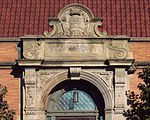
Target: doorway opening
x,y
75,100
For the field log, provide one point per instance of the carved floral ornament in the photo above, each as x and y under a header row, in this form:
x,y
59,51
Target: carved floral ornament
x,y
75,20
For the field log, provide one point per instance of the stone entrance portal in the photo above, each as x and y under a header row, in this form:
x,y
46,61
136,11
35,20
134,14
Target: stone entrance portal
x,y
76,53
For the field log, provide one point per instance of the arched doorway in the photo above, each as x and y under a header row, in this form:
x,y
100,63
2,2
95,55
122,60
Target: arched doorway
x,y
75,100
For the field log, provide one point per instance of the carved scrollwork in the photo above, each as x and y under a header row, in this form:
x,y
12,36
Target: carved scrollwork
x,y
120,53
75,21
31,49
97,32
53,32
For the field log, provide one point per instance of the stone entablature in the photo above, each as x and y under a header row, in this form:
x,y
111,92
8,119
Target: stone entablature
x,y
76,49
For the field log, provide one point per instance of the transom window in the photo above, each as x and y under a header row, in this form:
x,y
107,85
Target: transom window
x,y
84,101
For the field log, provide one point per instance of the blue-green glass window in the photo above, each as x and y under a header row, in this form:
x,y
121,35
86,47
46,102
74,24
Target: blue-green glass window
x,y
85,102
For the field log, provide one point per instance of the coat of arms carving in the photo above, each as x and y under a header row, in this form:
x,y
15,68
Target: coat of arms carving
x,y
75,21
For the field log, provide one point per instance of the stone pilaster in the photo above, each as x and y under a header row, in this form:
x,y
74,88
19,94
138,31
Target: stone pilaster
x,y
120,98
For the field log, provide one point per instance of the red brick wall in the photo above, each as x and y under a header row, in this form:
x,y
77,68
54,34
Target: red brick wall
x,y
141,51
8,52
12,85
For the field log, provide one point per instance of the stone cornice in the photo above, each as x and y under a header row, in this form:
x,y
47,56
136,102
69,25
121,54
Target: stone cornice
x,y
140,39
115,37
82,63
102,63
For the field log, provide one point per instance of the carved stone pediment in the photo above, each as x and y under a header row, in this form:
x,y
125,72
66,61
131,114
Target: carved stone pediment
x,y
75,38
75,21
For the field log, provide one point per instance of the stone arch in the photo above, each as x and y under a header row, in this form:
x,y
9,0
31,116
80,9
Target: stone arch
x,y
96,81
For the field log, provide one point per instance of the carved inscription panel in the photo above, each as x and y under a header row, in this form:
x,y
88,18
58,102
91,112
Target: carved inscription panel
x,y
74,50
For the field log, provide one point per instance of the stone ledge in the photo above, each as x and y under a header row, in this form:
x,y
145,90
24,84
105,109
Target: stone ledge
x,y
113,37
120,62
82,63
10,39
6,65
140,39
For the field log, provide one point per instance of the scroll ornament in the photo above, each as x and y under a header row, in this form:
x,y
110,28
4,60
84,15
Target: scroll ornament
x,y
120,53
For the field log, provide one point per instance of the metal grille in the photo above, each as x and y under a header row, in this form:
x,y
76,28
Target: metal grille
x,y
85,102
